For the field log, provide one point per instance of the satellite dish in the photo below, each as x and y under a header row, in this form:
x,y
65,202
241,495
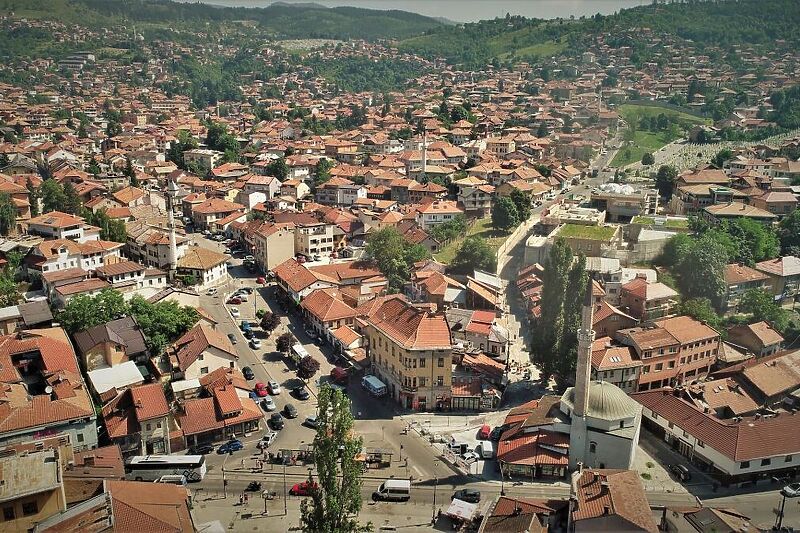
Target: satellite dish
x,y
48,390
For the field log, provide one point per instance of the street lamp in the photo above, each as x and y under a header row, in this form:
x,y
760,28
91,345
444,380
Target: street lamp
x,y
779,518
433,510
285,509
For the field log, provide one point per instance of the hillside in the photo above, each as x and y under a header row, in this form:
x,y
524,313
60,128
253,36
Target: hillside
x,y
757,22
278,20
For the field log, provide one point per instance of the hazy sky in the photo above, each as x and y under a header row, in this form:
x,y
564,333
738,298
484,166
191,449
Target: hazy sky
x,y
469,10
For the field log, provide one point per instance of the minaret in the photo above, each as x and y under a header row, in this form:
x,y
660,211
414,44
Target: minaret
x,y
578,431
583,370
424,154
172,193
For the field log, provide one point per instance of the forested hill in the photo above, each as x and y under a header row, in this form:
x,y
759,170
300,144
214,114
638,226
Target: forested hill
x,y
278,20
705,22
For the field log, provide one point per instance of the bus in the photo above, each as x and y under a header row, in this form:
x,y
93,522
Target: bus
x,y
153,467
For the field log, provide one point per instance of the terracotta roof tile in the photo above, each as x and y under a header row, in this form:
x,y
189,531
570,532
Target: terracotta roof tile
x,y
613,492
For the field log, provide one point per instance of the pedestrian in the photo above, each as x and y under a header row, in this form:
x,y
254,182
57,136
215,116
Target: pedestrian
x,y
241,499
242,463
246,498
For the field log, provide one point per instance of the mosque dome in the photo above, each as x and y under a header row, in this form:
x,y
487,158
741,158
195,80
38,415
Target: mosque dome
x,y
606,402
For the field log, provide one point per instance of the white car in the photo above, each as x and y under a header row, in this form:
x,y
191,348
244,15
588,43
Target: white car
x,y
273,387
266,440
212,291
255,343
235,312
470,457
268,404
791,491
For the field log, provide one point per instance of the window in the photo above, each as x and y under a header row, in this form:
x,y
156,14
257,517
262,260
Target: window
x,y
29,508
204,370
701,444
671,364
788,459
441,362
646,369
745,464
200,357
80,437
671,425
8,513
147,427
592,447
621,424
765,462
422,363
439,381
421,382
659,367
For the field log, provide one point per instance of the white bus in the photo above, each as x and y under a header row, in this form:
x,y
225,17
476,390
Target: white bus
x,y
153,467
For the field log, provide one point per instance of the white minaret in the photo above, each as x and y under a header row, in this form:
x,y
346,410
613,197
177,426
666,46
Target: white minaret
x,y
171,194
424,154
578,434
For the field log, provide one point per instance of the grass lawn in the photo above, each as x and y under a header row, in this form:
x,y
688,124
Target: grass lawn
x,y
481,228
642,141
578,231
676,223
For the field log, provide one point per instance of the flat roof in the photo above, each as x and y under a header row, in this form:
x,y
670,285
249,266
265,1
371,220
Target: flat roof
x,y
27,474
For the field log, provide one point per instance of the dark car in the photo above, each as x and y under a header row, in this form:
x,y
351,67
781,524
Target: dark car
x,y
290,411
495,434
467,495
247,290
248,333
680,472
231,446
301,393
200,449
248,374
232,338
276,421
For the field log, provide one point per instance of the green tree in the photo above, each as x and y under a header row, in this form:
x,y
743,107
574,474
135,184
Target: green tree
x,y
84,312
701,271
452,229
8,214
162,322
756,242
33,197
53,198
322,171
93,168
522,201
336,503
285,342
761,305
504,214
279,169
72,202
474,253
719,159
702,310
307,367
394,255
665,180
789,233
270,321
648,159
541,131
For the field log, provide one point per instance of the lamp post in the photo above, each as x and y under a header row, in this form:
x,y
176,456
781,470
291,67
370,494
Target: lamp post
x,y
433,510
779,518
224,481
502,481
285,508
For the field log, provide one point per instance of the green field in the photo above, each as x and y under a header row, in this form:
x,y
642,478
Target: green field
x,y
481,228
638,142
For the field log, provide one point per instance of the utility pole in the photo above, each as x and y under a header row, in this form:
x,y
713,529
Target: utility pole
x,y
285,508
779,518
433,510
224,481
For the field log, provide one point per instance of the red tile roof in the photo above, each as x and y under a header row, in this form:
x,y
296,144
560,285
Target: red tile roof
x,y
296,276
412,327
536,448
149,401
613,492
141,506
199,339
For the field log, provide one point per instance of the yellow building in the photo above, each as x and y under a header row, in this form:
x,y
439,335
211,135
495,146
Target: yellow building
x,y
410,349
32,489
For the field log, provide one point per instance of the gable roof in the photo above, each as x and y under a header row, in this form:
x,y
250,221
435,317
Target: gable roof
x,y
140,506
199,339
613,492
410,326
124,331
327,306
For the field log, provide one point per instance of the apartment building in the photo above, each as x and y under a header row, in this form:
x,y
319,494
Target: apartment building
x,y
672,351
410,349
314,240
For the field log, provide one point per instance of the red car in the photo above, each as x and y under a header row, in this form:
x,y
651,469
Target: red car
x,y
260,390
484,432
234,300
261,280
303,489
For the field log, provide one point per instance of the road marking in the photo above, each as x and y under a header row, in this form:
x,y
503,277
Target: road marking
x,y
417,470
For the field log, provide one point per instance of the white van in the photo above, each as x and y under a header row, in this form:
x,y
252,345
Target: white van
x,y
373,385
393,490
458,448
172,479
487,449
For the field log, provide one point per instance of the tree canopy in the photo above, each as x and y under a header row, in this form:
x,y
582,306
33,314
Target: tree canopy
x,y
505,216
474,254
394,255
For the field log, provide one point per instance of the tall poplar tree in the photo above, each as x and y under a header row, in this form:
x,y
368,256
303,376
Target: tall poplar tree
x,y
334,505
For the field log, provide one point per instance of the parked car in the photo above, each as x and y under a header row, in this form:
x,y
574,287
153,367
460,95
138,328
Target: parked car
x,y
266,440
290,411
235,312
470,457
249,258
248,374
496,432
234,300
231,446
311,421
276,421
484,432
200,449
268,404
255,344
261,280
248,333
242,296
274,387
260,389
303,489
232,338
226,251
244,324
301,393
680,472
212,291
467,495
246,290
791,491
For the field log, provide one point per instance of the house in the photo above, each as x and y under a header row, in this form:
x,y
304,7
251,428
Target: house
x,y
648,301
591,241
85,474
63,254
296,281
410,350
315,239
739,279
340,191
779,203
127,506
610,500
44,390
478,330
273,244
437,212
58,225
131,278
111,344
325,311
759,338
200,351
478,382
202,157
209,211
733,210
32,489
26,315
434,287
672,350
736,451
203,267
704,519
138,420
521,515
615,364
784,276
268,185
88,287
